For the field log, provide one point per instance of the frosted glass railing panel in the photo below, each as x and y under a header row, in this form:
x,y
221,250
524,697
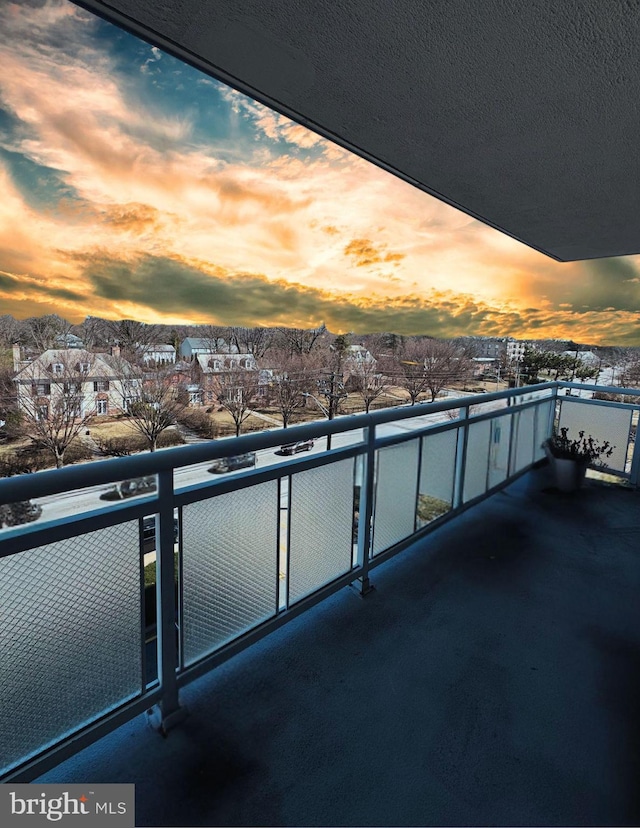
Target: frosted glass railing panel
x,y
321,527
229,566
524,434
70,637
437,472
396,489
542,428
499,450
476,471
602,422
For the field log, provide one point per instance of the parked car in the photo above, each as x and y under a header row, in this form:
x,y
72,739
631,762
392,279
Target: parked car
x,y
130,488
23,511
237,461
294,448
149,533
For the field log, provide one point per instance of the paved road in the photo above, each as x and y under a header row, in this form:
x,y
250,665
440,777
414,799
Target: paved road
x,y
82,500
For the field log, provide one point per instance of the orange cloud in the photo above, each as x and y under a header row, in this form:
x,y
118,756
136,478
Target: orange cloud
x,y
365,252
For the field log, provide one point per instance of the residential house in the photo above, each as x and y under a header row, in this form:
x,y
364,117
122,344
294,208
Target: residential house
x,y
207,366
585,357
94,383
159,355
194,346
357,360
68,340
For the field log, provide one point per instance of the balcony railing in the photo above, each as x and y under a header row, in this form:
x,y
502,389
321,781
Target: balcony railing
x,y
87,646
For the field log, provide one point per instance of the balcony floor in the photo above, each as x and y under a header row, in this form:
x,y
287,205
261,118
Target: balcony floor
x,y
493,678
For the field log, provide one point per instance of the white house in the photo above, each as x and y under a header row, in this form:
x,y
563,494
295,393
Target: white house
x,y
586,357
93,384
160,354
359,355
69,340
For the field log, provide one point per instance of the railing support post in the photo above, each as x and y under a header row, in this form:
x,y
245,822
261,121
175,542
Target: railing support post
x,y
461,457
634,473
365,512
168,712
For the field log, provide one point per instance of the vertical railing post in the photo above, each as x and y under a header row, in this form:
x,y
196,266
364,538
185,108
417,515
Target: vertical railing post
x,y
634,473
365,512
461,457
169,711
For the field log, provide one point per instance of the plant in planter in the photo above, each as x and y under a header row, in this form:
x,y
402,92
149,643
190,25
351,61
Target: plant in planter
x,y
570,456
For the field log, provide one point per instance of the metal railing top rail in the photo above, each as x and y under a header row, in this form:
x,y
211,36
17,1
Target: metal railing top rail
x,y
606,389
55,481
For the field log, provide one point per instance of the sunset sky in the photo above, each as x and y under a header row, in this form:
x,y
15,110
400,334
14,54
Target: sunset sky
x,y
134,186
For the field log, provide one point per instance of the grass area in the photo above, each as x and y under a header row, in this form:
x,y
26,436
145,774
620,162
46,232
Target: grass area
x,y
430,508
150,571
106,427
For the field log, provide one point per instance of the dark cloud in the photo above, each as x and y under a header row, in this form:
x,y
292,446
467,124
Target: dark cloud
x,y
597,285
20,284
172,287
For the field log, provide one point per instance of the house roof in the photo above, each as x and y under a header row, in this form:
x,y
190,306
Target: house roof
x,y
204,359
524,115
202,343
102,365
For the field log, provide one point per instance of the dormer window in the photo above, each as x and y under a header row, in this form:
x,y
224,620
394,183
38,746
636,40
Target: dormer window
x,y
58,368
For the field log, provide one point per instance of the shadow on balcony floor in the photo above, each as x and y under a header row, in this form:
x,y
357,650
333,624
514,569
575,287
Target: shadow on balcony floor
x,y
493,678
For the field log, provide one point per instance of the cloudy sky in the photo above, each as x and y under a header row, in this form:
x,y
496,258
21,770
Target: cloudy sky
x,y
136,187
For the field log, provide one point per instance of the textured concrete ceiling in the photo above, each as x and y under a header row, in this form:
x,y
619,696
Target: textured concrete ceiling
x,y
523,113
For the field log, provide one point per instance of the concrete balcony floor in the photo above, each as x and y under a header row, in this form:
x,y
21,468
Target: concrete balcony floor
x,y
493,678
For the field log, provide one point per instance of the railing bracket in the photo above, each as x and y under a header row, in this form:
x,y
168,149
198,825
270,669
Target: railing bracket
x,y
163,724
363,587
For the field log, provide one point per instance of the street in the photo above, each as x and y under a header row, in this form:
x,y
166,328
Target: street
x,y
83,500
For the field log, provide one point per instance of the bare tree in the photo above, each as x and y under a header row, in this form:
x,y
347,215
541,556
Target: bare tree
x,y
152,400
291,380
256,341
300,340
10,417
367,381
52,401
444,362
410,372
630,376
134,338
41,332
94,332
216,338
236,390
428,366
11,330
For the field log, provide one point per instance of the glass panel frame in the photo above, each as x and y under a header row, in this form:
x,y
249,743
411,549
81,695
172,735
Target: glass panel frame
x,y
396,490
71,636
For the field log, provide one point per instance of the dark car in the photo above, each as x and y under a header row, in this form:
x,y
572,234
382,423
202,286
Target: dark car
x,y
23,511
237,461
149,533
294,448
130,488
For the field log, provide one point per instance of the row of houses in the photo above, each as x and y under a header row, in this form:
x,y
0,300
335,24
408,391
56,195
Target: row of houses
x,y
105,383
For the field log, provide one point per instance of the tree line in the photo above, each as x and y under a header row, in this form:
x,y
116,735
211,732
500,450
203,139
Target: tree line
x,y
295,370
